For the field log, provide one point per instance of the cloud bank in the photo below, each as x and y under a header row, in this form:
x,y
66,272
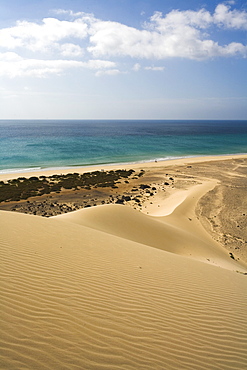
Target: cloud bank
x,y
52,46
177,34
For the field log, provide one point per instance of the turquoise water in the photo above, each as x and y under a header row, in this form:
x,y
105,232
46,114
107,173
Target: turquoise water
x,y
48,144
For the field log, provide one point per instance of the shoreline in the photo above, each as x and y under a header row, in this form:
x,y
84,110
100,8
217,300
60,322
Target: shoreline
x,y
7,174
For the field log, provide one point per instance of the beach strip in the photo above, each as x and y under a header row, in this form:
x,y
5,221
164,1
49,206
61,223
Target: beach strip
x,y
134,165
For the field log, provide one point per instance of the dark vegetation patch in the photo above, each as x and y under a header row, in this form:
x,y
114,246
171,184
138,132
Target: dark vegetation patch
x,y
24,188
143,186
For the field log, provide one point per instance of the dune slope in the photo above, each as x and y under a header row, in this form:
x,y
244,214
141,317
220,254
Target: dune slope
x,y
73,297
175,233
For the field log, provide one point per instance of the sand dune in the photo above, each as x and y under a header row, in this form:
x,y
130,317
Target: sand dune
x,y
110,287
180,232
74,297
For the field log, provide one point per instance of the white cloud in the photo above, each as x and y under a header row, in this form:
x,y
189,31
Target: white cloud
x,y
136,67
177,34
109,72
34,67
12,65
175,20
234,48
183,34
73,14
155,68
40,37
9,57
227,18
99,64
71,50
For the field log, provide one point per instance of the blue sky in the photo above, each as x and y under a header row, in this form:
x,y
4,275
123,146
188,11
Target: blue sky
x,y
123,59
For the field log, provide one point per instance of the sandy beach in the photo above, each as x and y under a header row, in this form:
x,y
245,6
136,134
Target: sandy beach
x,y
150,273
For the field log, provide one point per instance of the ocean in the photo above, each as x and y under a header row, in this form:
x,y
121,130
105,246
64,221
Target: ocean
x,y
40,144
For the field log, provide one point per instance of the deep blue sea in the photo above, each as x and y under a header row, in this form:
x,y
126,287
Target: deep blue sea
x,y
35,144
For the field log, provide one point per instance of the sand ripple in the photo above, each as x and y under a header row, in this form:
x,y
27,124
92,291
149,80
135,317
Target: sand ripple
x,y
77,298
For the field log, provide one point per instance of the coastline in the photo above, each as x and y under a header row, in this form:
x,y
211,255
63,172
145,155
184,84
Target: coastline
x,y
38,171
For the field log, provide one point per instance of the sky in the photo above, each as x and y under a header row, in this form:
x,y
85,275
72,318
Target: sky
x,y
123,59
